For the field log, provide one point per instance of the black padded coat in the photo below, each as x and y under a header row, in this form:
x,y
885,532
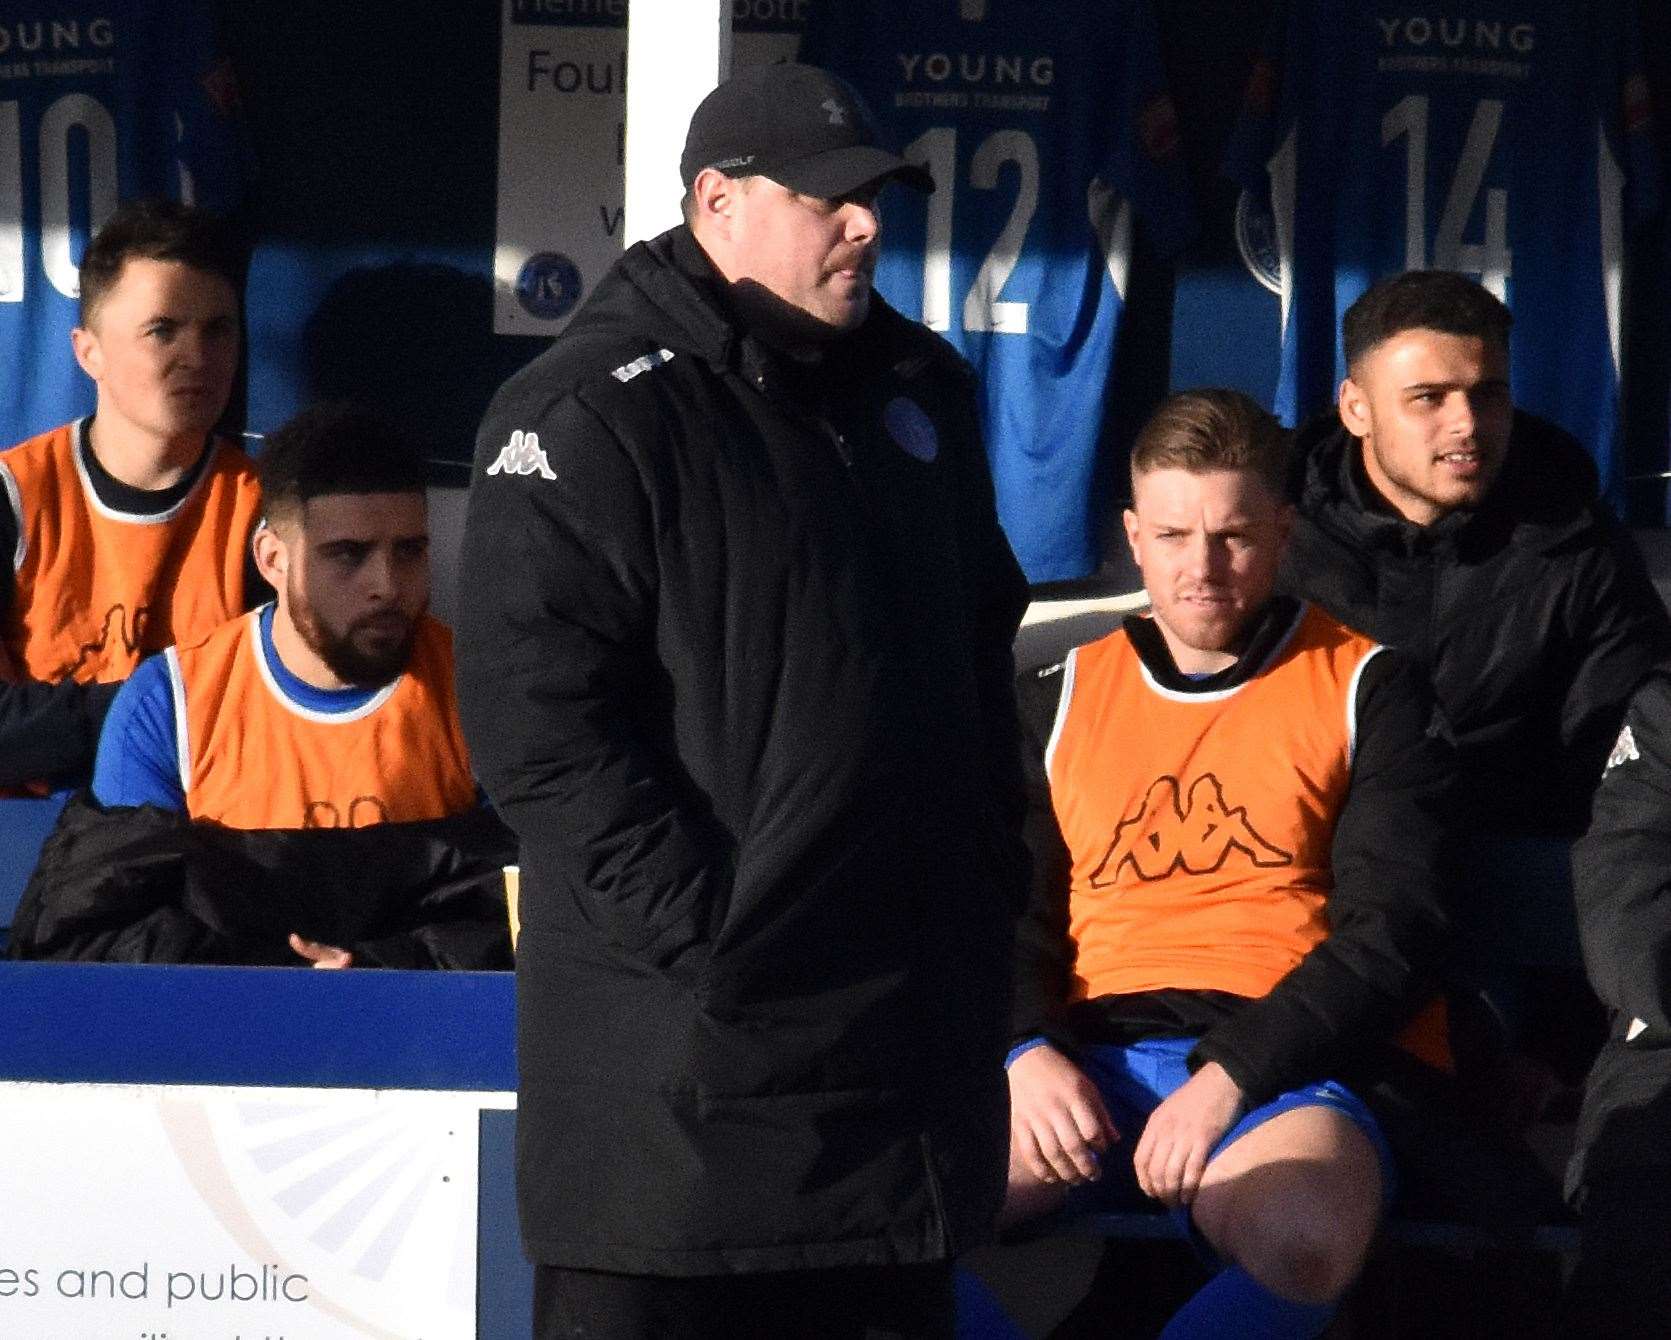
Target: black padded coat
x,y
735,665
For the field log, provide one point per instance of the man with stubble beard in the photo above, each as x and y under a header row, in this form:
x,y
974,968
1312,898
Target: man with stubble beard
x,y
330,708
1439,519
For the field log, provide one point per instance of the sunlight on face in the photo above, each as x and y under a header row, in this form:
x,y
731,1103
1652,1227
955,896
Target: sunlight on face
x,y
1208,546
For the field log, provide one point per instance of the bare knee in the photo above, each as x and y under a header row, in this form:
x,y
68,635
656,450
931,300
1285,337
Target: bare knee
x,y
1301,1228
1306,1261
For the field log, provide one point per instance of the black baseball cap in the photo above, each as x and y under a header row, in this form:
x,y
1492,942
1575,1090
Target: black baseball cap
x,y
799,125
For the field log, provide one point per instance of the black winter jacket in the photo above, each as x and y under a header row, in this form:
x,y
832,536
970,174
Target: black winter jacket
x,y
735,665
1622,882
1622,870
145,885
1332,1015
1533,615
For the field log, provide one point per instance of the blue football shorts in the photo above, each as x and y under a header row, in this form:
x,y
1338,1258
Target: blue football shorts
x,y
1135,1078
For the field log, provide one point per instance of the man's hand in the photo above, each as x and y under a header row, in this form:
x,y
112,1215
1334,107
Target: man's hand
x,y
321,955
1058,1123
1181,1132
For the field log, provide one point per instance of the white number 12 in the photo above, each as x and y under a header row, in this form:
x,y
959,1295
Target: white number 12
x,y
982,309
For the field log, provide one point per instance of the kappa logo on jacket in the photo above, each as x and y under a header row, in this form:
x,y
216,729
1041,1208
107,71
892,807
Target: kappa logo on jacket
x,y
1624,751
627,371
1163,835
522,456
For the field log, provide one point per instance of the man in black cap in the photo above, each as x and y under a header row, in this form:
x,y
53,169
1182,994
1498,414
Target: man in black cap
x,y
736,668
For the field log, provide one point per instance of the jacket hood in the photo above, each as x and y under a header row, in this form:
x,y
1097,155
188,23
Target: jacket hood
x,y
1547,491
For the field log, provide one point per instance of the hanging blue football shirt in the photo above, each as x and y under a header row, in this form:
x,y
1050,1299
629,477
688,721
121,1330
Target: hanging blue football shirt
x,y
1505,139
99,103
1047,129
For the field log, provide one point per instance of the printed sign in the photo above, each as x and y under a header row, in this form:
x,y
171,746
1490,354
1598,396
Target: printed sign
x,y
169,1213
562,146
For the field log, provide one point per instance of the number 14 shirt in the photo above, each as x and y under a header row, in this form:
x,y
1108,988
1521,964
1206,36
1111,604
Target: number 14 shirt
x,y
1506,140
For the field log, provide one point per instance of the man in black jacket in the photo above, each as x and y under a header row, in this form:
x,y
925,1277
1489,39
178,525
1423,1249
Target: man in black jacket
x,y
1621,1174
1235,814
736,668
1439,520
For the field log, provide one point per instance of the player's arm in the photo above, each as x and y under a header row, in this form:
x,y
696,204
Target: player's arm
x,y
107,889
558,686
997,593
1058,1123
1044,953
1386,921
48,732
138,760
1617,628
1622,871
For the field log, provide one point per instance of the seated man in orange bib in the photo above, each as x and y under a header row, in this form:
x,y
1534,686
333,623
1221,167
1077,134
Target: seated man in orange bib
x,y
330,710
1235,821
128,530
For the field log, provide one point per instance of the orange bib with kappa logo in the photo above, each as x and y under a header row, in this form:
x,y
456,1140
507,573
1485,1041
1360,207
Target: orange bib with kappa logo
x,y
250,757
97,590
1200,824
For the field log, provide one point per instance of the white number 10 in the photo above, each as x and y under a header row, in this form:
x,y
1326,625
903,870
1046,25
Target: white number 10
x,y
71,112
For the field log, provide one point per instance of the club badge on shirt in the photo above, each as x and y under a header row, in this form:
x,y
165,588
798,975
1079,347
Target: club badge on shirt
x,y
911,429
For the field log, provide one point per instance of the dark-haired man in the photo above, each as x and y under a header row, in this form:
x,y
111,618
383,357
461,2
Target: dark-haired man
x,y
1236,811
331,708
736,667
128,530
1443,522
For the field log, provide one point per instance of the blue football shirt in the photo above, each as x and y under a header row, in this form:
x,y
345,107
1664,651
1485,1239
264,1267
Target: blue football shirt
x,y
99,103
1505,139
1049,132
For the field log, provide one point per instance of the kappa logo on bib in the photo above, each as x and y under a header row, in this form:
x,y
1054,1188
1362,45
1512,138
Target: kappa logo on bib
x,y
911,429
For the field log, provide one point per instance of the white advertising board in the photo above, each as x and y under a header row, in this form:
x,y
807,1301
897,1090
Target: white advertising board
x,y
183,1213
562,145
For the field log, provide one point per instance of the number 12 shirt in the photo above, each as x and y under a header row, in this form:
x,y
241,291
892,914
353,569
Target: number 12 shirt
x,y
1048,130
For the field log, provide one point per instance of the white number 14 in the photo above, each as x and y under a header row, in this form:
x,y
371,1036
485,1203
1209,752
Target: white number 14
x,y
1491,259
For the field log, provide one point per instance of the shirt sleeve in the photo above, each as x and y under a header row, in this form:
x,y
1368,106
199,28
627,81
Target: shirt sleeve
x,y
1145,164
1387,923
1044,951
1622,872
553,678
138,760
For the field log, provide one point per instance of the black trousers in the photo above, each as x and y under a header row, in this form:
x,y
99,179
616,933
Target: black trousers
x,y
1621,1178
852,1303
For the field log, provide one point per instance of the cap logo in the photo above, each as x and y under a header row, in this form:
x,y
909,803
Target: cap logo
x,y
838,114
